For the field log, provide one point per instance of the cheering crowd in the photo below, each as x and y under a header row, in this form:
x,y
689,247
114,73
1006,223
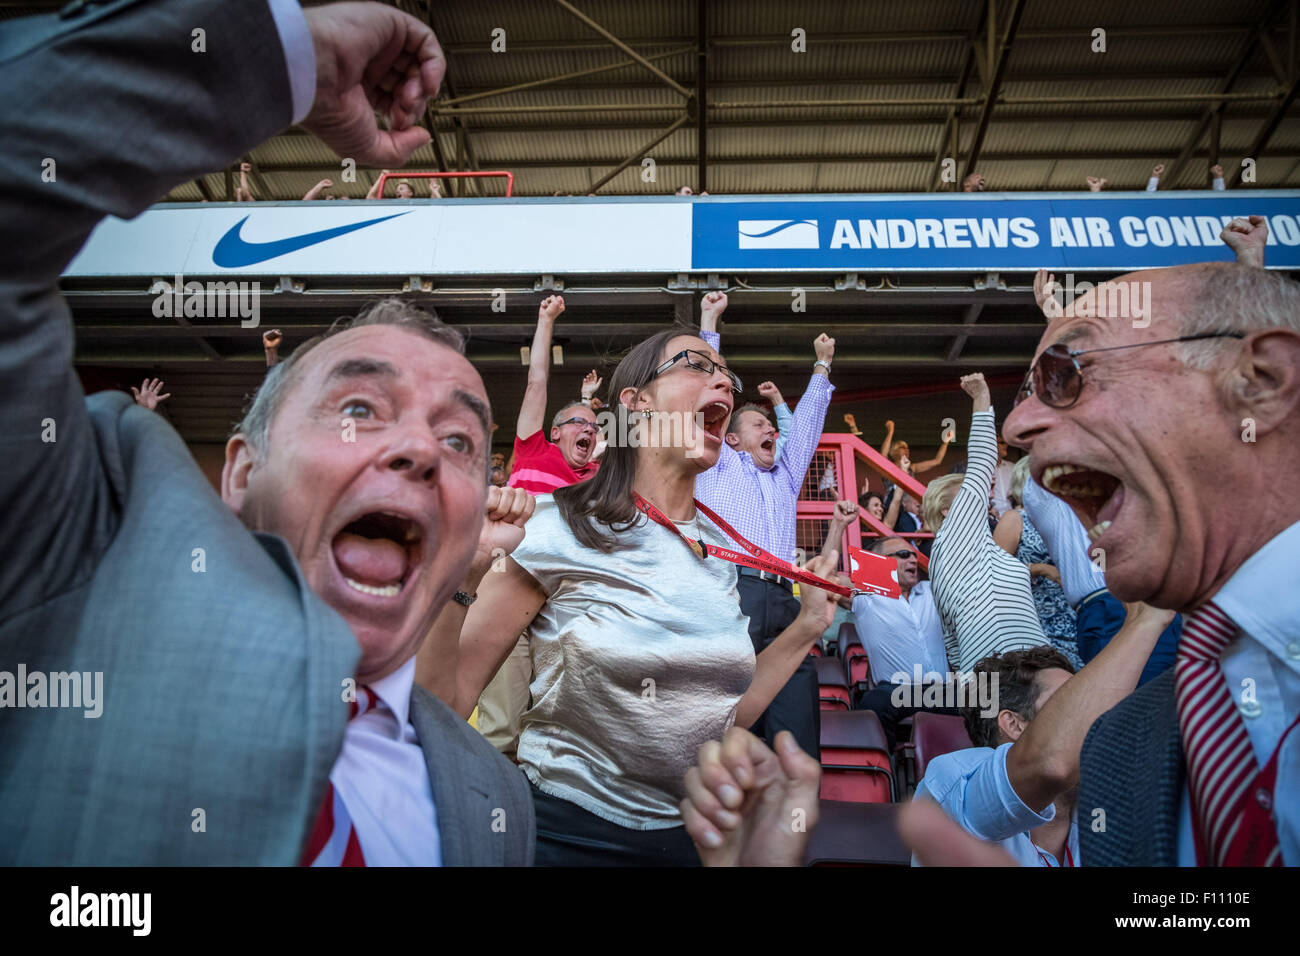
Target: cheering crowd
x,y
298,657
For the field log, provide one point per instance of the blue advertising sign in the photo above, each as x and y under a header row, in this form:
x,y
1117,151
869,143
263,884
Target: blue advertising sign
x,y
987,231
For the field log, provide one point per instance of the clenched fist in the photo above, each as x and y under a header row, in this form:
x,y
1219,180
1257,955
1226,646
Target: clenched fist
x,y
507,511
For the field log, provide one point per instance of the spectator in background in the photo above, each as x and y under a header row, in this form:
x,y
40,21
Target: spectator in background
x,y
315,191
974,183
757,495
783,415
982,592
539,467
1097,184
148,394
242,192
611,599
404,189
853,424
1154,182
271,340
903,638
1016,534
498,459
497,477
1216,172
1002,481
900,453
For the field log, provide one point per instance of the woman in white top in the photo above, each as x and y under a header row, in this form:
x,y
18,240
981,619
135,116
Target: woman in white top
x,y
982,592
640,651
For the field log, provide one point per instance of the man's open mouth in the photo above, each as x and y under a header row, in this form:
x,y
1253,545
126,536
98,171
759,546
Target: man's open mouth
x,y
584,444
715,419
377,552
1094,496
767,444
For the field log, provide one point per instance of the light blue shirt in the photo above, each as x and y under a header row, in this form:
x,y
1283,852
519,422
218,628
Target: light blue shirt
x,y
1263,599
1066,540
973,788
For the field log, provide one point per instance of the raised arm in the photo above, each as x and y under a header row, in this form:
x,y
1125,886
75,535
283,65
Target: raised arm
x,y
845,513
1247,237
315,191
466,646
1044,762
711,308
968,514
809,417
889,439
242,192
895,505
532,413
188,114
924,466
271,340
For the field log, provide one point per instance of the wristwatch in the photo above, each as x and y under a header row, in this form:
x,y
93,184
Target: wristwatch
x,y
822,362
460,597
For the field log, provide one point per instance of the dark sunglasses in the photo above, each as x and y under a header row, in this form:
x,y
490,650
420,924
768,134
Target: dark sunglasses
x,y
585,422
1057,379
904,554
702,363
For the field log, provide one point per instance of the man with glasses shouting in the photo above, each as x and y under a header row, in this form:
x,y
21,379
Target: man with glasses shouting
x,y
756,493
1176,441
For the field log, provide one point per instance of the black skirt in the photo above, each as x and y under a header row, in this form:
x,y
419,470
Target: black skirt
x,y
568,835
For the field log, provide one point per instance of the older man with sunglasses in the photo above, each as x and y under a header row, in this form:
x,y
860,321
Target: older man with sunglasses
x,y
1171,434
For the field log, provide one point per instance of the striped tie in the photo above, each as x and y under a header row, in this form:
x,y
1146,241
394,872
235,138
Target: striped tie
x,y
1221,765
333,840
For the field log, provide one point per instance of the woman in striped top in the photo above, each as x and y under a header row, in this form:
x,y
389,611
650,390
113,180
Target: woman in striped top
x,y
981,591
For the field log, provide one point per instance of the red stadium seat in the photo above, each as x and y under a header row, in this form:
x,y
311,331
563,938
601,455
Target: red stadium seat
x,y
832,688
815,650
856,834
855,758
935,734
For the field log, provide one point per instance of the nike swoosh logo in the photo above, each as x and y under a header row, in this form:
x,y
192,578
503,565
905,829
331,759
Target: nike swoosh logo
x,y
232,251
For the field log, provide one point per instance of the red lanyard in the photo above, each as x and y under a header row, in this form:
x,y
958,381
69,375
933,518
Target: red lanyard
x,y
1069,857
756,558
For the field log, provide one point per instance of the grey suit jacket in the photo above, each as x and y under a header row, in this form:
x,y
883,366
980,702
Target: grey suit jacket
x,y
222,673
1132,768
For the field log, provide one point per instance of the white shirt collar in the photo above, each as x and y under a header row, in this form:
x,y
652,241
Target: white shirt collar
x,y
395,691
1262,597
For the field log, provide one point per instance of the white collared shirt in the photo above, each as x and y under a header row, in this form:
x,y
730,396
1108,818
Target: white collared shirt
x,y
901,635
1262,668
383,780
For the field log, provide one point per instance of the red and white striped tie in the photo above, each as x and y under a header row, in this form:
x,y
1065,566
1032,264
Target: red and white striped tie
x,y
1221,764
333,840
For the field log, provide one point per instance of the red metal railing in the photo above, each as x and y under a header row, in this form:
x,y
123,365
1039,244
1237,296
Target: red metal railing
x,y
510,178
846,450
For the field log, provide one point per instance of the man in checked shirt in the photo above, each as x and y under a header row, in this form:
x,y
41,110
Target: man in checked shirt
x,y
756,494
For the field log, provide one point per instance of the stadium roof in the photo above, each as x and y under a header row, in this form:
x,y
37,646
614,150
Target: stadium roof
x,y
717,96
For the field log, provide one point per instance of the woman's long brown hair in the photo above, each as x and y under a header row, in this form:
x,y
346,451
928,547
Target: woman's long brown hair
x,y
607,496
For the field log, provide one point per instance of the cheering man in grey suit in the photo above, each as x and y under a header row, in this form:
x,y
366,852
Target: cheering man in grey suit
x,y
256,654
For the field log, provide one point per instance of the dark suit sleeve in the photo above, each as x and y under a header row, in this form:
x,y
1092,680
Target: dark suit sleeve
x,y
114,107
